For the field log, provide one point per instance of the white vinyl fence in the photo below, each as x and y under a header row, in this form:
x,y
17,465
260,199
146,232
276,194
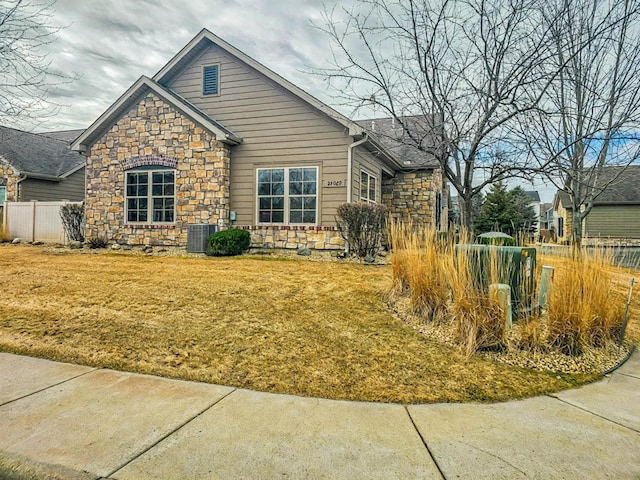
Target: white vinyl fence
x,y
35,221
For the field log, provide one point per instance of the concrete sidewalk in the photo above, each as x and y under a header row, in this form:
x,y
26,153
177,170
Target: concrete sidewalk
x,y
60,421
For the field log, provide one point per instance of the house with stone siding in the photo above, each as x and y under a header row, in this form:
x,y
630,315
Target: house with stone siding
x,y
217,138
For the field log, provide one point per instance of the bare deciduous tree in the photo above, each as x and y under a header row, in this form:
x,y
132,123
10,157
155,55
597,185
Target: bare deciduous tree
x,y
589,118
470,68
25,72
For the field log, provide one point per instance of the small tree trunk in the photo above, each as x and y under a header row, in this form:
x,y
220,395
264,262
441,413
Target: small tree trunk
x,y
466,217
576,232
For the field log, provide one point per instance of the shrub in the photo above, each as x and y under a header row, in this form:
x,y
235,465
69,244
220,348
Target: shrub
x,y
581,312
97,242
72,216
362,227
229,242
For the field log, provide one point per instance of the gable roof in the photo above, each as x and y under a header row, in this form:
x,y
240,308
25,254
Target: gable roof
x,y
132,95
391,135
37,155
205,38
533,195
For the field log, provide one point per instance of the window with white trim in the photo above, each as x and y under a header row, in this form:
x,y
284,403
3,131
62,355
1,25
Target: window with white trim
x,y
367,187
288,195
3,194
150,196
210,80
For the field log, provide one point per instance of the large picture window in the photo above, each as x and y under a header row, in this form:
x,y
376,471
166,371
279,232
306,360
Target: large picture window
x,y
150,196
288,195
367,187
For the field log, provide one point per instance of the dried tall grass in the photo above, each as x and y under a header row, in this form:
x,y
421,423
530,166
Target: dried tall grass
x,y
441,285
581,311
4,234
448,285
419,269
477,318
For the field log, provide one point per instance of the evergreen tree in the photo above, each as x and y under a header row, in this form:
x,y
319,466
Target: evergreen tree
x,y
524,219
506,211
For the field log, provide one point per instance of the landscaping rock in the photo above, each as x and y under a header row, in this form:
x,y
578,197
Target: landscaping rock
x,y
38,243
116,246
75,244
305,252
147,249
369,259
16,241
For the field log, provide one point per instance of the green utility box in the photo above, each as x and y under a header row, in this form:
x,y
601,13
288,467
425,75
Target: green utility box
x,y
515,266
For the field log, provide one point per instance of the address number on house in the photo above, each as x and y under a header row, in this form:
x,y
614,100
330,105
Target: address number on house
x,y
335,183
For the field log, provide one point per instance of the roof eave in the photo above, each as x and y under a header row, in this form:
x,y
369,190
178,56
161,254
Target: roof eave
x,y
72,171
41,176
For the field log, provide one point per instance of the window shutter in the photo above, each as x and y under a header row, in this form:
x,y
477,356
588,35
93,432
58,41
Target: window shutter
x,y
210,80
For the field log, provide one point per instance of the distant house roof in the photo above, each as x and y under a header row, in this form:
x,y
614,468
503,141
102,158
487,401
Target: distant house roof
x,y
621,187
533,195
38,155
624,187
391,135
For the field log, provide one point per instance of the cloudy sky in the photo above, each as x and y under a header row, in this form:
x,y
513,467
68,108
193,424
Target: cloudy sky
x,y
108,44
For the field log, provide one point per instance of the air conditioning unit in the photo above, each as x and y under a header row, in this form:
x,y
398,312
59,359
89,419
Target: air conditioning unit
x,y
197,236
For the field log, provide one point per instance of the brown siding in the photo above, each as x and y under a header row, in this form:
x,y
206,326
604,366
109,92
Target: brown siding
x,y
622,221
363,160
278,129
71,188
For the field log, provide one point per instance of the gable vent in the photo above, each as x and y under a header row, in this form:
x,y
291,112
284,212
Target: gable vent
x,y
210,80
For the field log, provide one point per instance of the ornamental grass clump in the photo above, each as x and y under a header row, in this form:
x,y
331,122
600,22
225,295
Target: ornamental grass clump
x,y
478,321
4,234
419,269
441,286
581,313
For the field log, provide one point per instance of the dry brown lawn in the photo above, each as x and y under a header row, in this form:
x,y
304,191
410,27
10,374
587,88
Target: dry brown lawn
x,y
307,328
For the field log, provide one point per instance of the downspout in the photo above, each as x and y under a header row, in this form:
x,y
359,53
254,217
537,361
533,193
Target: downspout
x,y
22,177
350,165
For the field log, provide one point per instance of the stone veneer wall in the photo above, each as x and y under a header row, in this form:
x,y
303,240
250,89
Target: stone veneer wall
x,y
155,133
411,196
294,237
9,179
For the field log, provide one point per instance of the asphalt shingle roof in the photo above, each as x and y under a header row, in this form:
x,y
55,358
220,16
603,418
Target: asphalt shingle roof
x,y
622,186
38,154
390,134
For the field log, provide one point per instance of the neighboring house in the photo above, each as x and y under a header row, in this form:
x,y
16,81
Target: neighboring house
x,y
546,216
216,138
536,204
39,166
615,215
